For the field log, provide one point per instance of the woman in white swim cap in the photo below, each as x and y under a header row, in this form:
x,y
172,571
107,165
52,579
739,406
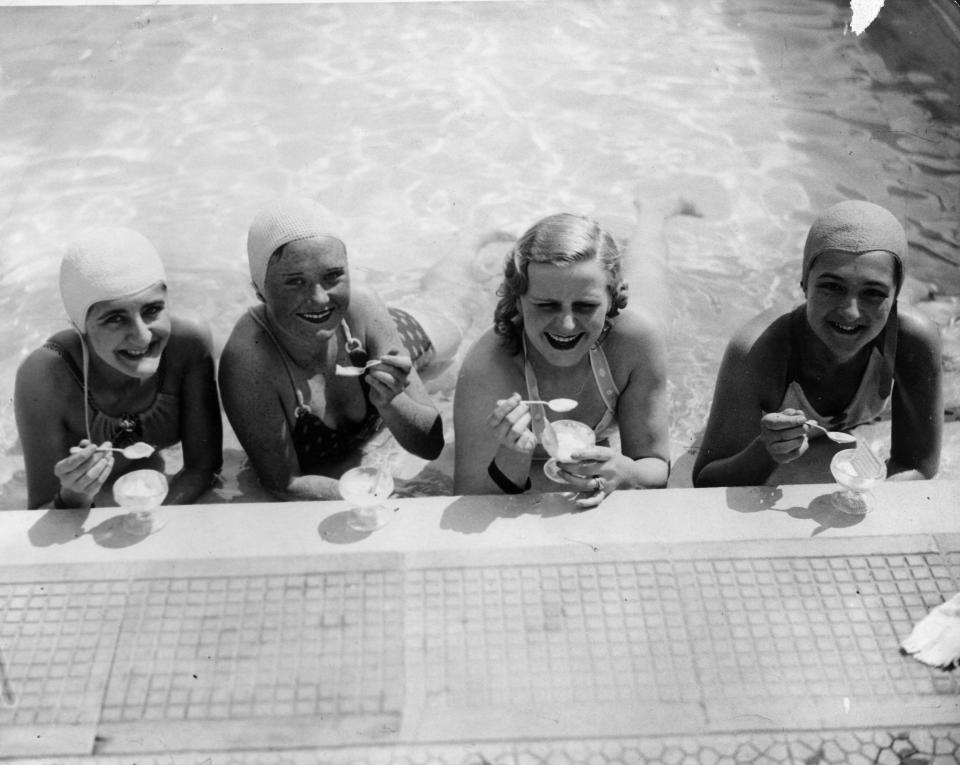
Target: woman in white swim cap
x,y
127,372
843,358
300,419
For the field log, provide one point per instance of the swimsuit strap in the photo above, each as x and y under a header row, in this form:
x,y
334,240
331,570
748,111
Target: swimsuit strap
x,y
885,345
302,408
82,378
353,346
355,351
602,376
607,388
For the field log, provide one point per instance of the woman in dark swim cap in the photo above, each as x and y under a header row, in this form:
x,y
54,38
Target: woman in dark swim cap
x,y
843,358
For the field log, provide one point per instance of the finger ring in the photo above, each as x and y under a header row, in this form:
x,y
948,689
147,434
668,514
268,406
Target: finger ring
x,y
599,485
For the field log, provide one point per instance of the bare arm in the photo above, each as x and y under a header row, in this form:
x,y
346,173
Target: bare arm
x,y
395,387
249,376
201,429
642,413
917,418
482,425
741,444
44,400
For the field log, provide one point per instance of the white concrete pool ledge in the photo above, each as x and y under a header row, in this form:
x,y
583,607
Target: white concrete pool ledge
x,y
665,517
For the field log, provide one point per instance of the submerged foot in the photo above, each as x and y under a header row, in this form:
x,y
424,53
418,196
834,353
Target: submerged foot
x,y
489,254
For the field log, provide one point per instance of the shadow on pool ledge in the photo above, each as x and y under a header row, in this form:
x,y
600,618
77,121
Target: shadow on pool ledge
x,y
475,514
756,499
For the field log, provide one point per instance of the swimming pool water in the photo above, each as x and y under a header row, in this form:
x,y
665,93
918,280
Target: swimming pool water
x,y
427,124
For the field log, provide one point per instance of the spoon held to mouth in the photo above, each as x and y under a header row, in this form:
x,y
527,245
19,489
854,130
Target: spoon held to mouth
x,y
556,404
834,435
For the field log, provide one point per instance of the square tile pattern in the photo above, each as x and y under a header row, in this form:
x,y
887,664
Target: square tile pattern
x,y
331,646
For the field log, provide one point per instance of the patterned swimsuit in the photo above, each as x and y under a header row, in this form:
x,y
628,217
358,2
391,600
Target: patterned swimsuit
x,y
316,443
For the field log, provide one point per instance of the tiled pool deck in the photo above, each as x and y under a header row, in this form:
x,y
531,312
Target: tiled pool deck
x,y
681,626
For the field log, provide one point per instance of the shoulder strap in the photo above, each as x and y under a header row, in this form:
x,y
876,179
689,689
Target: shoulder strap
x,y
53,345
301,406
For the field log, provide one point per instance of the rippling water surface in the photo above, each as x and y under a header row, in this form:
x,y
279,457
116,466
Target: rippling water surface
x,y
428,124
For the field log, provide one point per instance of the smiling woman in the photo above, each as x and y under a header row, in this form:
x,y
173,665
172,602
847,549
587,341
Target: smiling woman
x,y
560,331
300,420
128,372
840,359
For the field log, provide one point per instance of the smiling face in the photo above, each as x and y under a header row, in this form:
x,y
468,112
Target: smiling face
x,y
849,298
307,288
130,333
564,309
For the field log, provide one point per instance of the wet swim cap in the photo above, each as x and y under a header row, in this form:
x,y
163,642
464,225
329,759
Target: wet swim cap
x,y
285,221
106,264
855,227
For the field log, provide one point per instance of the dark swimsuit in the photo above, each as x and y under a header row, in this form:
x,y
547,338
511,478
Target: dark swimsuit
x,y
316,443
158,424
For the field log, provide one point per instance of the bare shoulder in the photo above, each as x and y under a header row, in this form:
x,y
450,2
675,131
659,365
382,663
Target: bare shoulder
x,y
190,338
917,333
766,333
249,357
487,353
368,316
489,366
44,366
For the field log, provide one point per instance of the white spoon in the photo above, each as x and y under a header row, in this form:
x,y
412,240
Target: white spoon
x,y
135,451
556,404
834,435
343,371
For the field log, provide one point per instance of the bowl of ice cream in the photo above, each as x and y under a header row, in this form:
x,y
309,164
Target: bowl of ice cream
x,y
140,491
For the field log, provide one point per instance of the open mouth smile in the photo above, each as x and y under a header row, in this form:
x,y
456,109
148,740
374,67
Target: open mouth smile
x,y
136,355
845,329
316,317
562,342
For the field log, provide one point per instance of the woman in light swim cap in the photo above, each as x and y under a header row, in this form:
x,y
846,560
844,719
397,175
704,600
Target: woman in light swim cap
x,y
126,372
842,359
301,421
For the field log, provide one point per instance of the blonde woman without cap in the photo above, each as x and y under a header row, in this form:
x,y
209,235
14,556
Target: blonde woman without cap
x,y
301,422
842,358
126,372
562,329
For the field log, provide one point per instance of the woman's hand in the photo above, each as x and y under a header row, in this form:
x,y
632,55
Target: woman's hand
x,y
84,472
389,378
597,472
784,434
510,421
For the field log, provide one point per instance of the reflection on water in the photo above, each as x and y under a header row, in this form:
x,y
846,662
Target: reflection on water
x,y
427,124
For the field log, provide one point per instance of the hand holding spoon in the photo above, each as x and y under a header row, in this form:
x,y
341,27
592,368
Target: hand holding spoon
x,y
834,435
556,404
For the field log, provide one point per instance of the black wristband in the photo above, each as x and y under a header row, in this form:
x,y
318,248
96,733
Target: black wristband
x,y
59,504
506,485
